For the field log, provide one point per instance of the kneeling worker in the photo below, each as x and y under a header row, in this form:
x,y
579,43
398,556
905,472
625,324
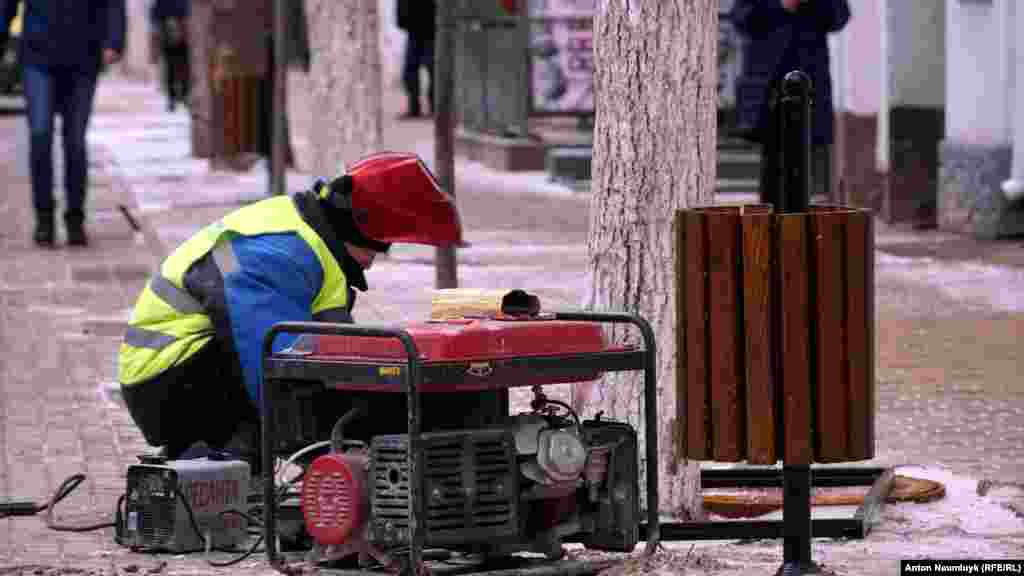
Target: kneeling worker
x,y
190,364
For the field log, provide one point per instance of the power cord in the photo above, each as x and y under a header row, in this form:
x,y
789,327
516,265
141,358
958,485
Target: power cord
x,y
281,493
30,508
14,508
208,544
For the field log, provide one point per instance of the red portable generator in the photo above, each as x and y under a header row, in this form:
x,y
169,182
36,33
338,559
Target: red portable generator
x,y
435,458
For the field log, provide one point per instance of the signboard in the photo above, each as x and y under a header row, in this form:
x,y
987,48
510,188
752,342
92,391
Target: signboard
x,y
562,56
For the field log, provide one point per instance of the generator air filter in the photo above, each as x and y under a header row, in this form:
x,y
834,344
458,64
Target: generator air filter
x,y
334,497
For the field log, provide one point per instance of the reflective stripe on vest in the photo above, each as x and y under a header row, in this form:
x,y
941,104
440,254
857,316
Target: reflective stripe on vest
x,y
179,299
142,338
168,325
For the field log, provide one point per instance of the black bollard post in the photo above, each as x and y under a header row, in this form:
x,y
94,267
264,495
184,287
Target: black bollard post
x,y
796,520
794,136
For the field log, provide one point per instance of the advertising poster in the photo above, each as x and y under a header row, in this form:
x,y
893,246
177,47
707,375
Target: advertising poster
x,y
562,56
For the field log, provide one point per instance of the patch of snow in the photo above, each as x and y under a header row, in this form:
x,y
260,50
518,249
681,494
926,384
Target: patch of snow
x,y
961,510
998,287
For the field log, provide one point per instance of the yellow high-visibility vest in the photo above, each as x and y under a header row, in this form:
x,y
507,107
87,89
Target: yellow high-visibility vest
x,y
168,325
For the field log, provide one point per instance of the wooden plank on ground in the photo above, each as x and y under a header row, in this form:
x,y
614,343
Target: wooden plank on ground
x,y
758,337
727,414
830,383
795,374
695,277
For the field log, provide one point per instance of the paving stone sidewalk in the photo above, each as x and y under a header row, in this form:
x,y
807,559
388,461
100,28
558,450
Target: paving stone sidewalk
x,y
63,313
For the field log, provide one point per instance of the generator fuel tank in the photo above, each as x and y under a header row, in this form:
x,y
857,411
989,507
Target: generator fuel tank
x,y
469,354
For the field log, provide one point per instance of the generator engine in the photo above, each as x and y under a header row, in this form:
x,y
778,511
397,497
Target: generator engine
x,y
524,486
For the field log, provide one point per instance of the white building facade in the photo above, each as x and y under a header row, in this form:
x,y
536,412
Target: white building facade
x,y
925,102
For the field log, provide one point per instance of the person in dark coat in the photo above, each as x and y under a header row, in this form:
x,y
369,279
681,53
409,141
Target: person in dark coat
x,y
170,19
9,13
780,36
417,17
63,46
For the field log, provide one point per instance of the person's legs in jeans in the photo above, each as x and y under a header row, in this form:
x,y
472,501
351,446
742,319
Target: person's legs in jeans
x,y
183,76
78,89
427,61
170,76
411,75
40,95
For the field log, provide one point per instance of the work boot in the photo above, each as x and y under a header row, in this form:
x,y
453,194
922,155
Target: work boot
x,y
74,224
44,229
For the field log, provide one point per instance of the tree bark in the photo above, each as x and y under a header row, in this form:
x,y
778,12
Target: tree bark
x,y
343,84
655,152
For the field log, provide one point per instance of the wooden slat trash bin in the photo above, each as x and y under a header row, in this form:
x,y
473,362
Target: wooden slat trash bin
x,y
775,334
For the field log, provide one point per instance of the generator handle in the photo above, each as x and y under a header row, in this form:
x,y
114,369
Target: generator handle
x,y
650,406
412,380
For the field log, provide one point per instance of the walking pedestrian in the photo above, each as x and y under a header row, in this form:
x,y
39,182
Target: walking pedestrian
x,y
62,49
780,36
417,17
170,20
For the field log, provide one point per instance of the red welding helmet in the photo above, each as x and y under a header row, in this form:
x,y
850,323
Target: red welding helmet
x,y
393,197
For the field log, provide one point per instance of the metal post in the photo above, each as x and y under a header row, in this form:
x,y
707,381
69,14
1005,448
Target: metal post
x,y
278,146
795,97
444,148
794,155
525,89
796,520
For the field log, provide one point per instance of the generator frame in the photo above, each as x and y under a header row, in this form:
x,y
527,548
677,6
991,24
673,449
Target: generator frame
x,y
414,371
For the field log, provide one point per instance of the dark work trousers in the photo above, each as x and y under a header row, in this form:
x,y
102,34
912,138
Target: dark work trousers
x,y
419,53
176,68
69,93
201,400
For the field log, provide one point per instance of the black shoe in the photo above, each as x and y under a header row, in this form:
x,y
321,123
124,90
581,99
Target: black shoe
x,y
74,222
44,230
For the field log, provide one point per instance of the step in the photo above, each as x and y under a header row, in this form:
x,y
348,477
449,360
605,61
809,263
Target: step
x,y
574,163
569,163
737,186
739,165
733,143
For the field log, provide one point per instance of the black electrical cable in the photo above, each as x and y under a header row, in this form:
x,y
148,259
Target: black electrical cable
x,y
251,519
567,408
62,492
247,553
202,538
29,508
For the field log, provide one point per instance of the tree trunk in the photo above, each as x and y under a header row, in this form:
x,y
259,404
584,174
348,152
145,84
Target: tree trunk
x,y
343,84
654,152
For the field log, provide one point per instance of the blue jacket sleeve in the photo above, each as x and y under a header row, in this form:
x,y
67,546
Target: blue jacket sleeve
x,y
115,26
277,278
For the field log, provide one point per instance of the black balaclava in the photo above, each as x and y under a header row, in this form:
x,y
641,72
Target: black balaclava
x,y
341,221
